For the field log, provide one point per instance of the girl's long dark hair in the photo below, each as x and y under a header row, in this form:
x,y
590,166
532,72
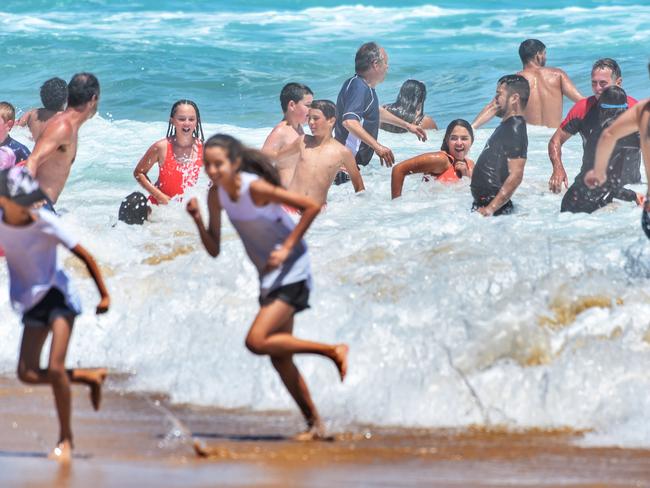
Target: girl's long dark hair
x,y
198,132
450,128
252,160
411,97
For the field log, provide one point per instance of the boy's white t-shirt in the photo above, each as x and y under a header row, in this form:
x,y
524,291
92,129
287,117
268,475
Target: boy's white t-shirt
x,y
31,258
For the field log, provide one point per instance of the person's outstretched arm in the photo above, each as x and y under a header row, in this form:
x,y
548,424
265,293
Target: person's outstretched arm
x,y
210,236
432,163
626,124
569,89
485,115
151,157
262,193
95,273
387,117
384,153
351,167
558,176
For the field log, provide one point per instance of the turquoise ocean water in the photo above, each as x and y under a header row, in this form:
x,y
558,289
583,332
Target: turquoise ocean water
x,y
449,316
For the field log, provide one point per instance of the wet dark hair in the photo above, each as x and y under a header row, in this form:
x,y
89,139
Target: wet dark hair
x,y
410,98
608,63
516,84
529,49
612,103
293,92
198,132
54,94
82,88
452,125
252,160
326,106
367,54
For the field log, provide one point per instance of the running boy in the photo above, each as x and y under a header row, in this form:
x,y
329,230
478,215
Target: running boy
x,y
247,187
295,99
320,156
42,292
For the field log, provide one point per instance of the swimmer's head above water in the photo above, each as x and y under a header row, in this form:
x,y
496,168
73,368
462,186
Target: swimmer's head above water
x,y
612,103
83,91
605,72
512,93
185,116
532,50
225,156
322,117
457,142
54,94
371,63
295,98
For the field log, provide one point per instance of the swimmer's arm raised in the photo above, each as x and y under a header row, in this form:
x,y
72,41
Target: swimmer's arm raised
x,y
512,182
24,119
384,153
53,137
434,163
625,125
568,87
485,115
210,237
559,176
151,157
387,117
96,275
350,164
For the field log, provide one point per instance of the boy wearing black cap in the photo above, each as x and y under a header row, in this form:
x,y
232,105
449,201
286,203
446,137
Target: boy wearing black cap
x,y
41,291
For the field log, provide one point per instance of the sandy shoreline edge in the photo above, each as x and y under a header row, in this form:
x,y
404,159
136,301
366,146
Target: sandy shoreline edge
x,y
138,439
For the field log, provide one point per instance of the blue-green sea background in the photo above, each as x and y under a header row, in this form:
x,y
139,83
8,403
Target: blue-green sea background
x,y
539,319
232,58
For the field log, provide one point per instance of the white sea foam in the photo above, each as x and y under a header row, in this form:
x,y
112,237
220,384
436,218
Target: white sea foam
x,y
452,319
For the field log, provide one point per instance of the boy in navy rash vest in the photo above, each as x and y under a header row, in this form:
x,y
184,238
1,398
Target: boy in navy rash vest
x,y
7,120
627,153
499,169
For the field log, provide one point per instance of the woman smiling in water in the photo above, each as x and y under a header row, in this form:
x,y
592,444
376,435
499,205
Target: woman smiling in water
x,y
179,155
448,165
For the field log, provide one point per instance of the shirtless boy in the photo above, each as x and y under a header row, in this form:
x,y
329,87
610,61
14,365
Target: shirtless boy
x,y
547,87
320,156
295,100
56,148
54,94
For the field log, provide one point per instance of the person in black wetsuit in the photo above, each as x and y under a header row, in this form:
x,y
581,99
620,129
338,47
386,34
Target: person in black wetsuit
x,y
500,167
627,153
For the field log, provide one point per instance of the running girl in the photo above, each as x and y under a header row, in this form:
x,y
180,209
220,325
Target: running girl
x,y
42,292
448,165
248,188
179,155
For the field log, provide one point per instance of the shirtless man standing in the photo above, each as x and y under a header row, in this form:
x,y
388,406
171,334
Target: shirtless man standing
x,y
56,148
295,100
547,87
320,156
634,119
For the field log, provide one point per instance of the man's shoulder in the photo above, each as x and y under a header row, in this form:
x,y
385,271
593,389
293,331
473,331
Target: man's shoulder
x,y
355,83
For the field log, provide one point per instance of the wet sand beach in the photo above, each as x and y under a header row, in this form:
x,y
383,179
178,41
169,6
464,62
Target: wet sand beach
x,y
140,440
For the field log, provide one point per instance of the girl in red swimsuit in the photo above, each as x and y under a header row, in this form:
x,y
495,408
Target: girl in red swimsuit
x,y
179,155
448,165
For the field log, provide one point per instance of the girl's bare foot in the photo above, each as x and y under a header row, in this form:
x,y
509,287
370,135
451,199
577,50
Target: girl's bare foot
x,y
340,358
95,383
62,452
314,433
203,451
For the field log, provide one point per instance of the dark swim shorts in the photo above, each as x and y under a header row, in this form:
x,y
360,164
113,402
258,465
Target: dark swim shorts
x,y
294,294
49,308
506,209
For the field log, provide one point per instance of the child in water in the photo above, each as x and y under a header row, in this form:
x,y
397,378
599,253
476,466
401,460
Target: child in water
x,y
179,155
248,188
409,107
42,292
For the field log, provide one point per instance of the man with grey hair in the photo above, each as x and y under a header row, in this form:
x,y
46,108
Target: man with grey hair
x,y
359,112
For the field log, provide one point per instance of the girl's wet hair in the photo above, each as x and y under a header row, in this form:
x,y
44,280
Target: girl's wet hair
x,y
252,160
612,103
410,99
452,125
198,132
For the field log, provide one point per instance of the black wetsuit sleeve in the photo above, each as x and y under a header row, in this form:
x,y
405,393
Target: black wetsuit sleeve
x,y
624,194
516,146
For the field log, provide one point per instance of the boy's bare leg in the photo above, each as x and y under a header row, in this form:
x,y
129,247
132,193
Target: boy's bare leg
x,y
61,329
266,336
